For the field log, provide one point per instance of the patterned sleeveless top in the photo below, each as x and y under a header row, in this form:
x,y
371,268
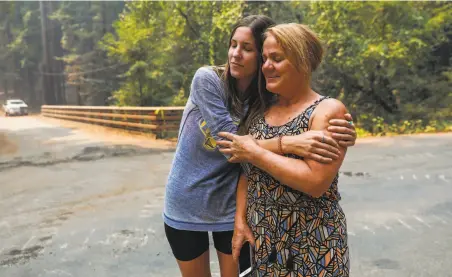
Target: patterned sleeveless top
x,y
296,234
263,185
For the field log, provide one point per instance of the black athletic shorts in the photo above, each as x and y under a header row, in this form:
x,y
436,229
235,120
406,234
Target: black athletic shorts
x,y
188,245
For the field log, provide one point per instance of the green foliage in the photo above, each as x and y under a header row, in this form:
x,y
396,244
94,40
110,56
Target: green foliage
x,y
168,41
20,47
83,25
370,125
388,60
180,99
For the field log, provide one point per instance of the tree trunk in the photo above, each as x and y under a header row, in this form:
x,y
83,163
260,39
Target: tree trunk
x,y
47,87
141,90
56,51
5,86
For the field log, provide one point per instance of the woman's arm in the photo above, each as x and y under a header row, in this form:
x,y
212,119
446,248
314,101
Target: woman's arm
x,y
307,176
313,145
207,93
310,143
242,190
242,231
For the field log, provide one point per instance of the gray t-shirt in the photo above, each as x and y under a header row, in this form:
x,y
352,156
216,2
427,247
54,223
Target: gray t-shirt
x,y
201,189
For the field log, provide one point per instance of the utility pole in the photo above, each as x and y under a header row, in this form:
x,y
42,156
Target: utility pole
x,y
46,65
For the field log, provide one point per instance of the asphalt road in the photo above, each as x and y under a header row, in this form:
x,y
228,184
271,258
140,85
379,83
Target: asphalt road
x,y
78,202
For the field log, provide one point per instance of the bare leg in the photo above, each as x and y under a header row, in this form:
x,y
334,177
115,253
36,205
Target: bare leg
x,y
228,267
199,267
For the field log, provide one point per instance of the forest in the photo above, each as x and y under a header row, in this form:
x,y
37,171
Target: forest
x,y
389,62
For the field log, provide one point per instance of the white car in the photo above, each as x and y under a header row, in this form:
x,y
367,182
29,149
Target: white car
x,y
15,107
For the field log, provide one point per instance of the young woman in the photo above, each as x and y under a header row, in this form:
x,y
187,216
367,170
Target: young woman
x,y
290,203
201,189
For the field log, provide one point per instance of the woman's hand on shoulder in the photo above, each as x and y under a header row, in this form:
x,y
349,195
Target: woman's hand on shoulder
x,y
343,130
327,111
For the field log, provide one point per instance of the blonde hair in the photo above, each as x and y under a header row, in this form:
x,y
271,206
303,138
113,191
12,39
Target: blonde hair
x,y
300,44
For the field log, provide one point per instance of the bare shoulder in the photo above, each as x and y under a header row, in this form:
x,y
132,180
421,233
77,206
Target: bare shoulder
x,y
331,108
327,109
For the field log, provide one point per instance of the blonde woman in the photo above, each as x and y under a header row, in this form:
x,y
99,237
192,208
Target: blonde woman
x,y
288,206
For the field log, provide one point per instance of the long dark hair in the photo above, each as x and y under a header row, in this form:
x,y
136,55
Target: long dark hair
x,y
256,94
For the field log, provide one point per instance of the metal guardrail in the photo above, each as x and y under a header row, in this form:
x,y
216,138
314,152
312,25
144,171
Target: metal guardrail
x,y
162,121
